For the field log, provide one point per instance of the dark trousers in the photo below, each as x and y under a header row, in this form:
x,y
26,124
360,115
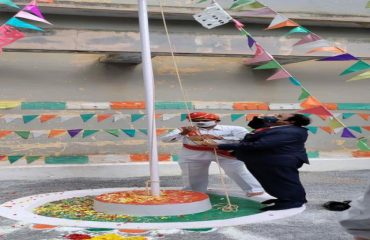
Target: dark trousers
x,y
281,182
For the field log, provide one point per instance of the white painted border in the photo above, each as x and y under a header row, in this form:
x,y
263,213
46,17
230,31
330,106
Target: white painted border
x,y
21,210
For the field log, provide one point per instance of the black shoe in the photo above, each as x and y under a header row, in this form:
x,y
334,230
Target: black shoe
x,y
337,206
281,206
270,201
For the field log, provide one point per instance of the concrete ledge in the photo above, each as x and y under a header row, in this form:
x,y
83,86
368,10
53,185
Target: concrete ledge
x,y
126,170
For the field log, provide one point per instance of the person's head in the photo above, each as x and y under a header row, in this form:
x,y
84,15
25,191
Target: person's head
x,y
203,119
293,119
263,121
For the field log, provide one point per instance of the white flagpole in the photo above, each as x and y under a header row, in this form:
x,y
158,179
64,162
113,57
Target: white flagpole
x,y
149,89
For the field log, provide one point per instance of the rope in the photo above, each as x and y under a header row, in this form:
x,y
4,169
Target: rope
x,y
229,207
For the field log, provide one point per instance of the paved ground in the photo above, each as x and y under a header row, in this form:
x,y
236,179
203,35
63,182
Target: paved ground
x,y
314,223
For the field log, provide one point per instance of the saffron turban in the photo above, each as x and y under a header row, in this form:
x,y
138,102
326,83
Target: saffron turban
x,y
203,116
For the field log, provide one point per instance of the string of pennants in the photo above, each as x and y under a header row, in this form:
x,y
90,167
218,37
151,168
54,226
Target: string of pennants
x,y
85,133
214,15
309,39
10,31
44,118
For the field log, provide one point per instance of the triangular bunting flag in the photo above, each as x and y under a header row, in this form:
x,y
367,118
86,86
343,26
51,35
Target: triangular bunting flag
x,y
238,24
358,66
144,131
129,132
88,133
31,159
281,21
13,159
9,35
270,65
243,32
135,117
5,133
32,8
295,81
356,129
347,115
183,117
26,15
326,49
320,111
9,3
260,55
74,132
342,57
114,132
327,129
310,102
259,11
23,134
364,116
363,145
168,116
56,133
251,41
347,133
361,76
235,117
39,133
299,29
29,118
240,5
366,128
87,117
15,22
3,157
47,117
64,118
250,116
312,129
119,116
102,117
161,131
334,123
10,118
280,74
307,39
304,94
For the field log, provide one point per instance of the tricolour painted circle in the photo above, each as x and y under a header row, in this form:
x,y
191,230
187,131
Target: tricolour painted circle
x,y
22,209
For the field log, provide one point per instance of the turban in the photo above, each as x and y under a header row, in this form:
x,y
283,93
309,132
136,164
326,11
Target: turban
x,y
203,116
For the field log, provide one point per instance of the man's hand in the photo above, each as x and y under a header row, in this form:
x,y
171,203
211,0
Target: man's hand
x,y
186,130
210,143
213,137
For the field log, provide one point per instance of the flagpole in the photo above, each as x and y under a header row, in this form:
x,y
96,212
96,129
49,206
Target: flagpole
x,y
149,90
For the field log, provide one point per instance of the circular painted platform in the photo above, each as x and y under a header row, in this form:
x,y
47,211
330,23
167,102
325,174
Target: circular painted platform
x,y
140,203
75,209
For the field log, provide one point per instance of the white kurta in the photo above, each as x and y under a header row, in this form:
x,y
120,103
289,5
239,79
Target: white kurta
x,y
195,164
356,220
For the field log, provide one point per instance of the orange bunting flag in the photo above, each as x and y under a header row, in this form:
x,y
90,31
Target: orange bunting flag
x,y
281,21
327,129
46,117
366,128
56,133
310,102
161,131
249,117
327,49
320,111
102,117
364,116
5,133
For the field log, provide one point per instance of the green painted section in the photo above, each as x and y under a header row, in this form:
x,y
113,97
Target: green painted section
x,y
315,154
82,209
353,106
173,105
43,106
67,160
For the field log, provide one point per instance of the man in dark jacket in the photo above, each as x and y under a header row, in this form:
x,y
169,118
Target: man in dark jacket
x,y
273,153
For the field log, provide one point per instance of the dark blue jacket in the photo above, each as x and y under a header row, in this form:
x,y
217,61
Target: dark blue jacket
x,y
284,145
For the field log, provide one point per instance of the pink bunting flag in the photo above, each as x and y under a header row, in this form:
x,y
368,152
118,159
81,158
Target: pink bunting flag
x,y
32,8
238,24
307,39
282,73
9,35
260,56
26,15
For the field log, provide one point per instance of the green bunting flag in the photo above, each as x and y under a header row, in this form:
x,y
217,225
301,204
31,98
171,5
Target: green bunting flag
x,y
356,128
144,131
129,132
358,66
114,132
183,117
15,22
31,159
135,117
235,117
363,145
201,1
304,95
23,134
9,3
13,159
87,117
313,129
29,118
240,5
270,65
347,115
88,133
299,29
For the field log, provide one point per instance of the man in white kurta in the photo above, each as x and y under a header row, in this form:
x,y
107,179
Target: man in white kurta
x,y
195,158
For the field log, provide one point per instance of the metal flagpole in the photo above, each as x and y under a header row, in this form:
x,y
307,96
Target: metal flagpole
x,y
149,89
